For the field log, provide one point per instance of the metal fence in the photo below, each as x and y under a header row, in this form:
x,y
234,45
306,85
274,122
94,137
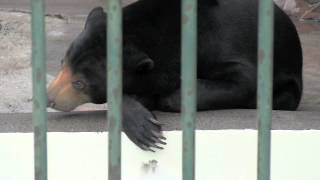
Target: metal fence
x,y
188,67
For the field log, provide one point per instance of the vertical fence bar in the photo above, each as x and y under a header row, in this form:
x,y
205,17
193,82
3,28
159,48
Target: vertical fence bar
x,y
114,92
265,76
189,76
39,115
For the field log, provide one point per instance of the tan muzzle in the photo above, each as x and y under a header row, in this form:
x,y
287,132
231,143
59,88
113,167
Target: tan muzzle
x,y
62,95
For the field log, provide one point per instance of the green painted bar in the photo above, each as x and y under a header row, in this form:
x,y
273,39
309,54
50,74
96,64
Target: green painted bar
x,y
189,80
39,115
265,76
114,92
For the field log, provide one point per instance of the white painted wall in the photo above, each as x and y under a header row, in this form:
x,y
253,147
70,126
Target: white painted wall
x,y
220,155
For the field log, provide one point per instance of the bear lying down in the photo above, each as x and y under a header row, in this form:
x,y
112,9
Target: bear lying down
x,y
227,63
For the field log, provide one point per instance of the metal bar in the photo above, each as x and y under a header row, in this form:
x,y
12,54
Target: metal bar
x,y
39,115
189,80
114,92
265,79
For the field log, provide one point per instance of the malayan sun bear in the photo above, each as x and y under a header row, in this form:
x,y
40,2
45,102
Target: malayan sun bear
x,y
226,63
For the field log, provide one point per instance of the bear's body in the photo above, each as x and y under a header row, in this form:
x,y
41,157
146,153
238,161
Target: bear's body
x,y
227,61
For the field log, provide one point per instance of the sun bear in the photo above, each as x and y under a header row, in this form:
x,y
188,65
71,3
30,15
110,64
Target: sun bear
x,y
226,63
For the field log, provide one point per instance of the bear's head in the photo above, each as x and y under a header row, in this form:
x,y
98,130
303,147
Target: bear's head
x,y
82,77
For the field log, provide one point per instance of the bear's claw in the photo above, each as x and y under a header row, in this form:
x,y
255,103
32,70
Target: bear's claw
x,y
141,126
155,121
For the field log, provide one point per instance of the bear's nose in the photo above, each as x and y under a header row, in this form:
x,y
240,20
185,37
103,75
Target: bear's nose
x,y
51,103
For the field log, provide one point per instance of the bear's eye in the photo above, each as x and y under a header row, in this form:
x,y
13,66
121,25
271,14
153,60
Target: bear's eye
x,y
79,85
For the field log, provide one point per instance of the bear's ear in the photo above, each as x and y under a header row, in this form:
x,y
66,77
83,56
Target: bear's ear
x,y
95,18
144,65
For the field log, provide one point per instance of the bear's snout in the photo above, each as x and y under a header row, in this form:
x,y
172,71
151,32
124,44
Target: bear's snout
x,y
62,95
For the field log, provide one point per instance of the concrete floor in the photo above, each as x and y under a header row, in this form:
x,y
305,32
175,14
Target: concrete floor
x,y
310,38
95,121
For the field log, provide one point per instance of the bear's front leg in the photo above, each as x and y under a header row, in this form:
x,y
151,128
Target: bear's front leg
x,y
140,125
213,95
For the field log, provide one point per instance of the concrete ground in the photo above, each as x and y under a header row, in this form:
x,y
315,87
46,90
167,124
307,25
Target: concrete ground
x,y
95,121
68,18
